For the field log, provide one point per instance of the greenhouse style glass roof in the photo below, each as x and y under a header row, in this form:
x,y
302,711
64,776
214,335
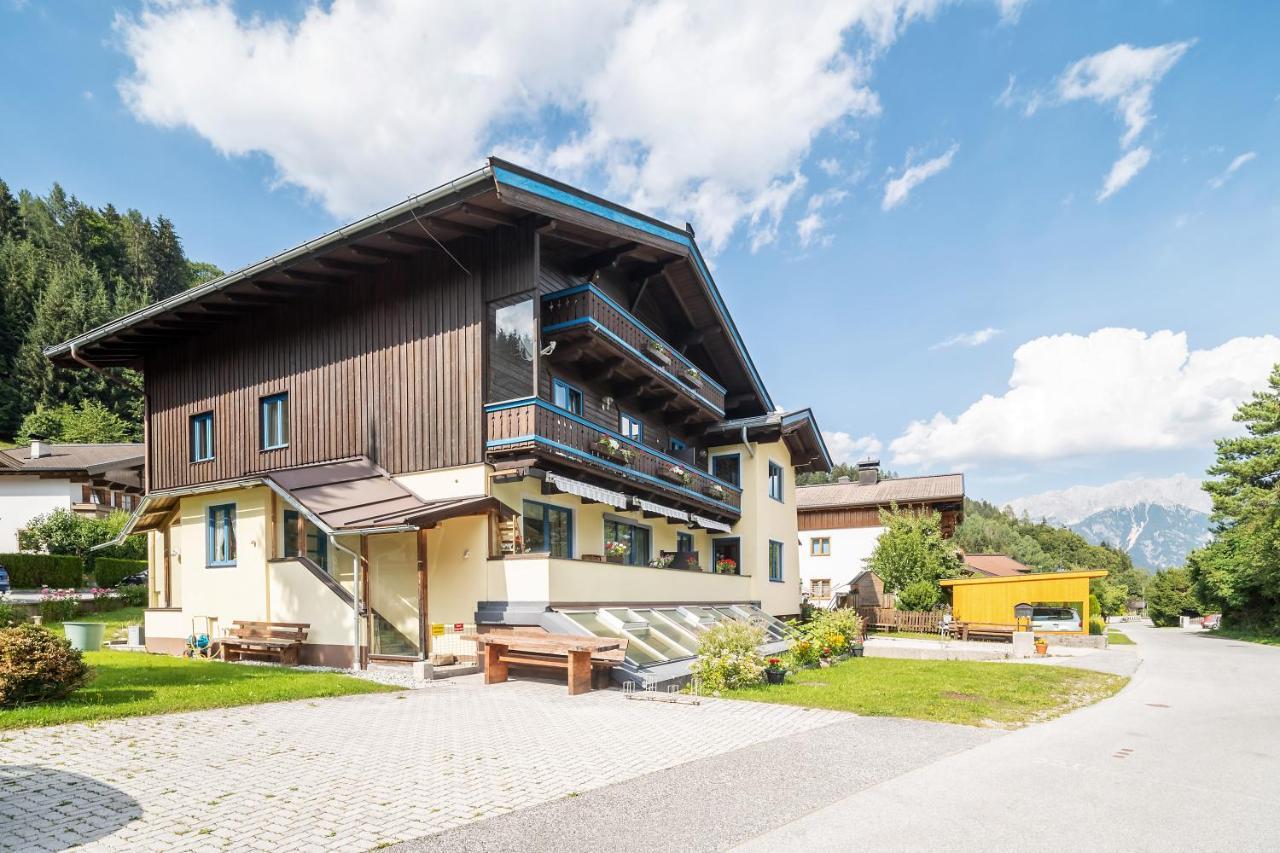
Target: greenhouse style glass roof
x,y
666,633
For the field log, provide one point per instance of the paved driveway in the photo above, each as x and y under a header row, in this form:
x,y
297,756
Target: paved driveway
x,y
354,772
1187,757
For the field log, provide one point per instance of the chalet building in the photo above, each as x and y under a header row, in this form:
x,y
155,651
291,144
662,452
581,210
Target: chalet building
x,y
839,523
994,566
86,479
501,402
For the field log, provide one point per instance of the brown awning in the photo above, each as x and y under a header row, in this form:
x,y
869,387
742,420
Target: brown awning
x,y
456,508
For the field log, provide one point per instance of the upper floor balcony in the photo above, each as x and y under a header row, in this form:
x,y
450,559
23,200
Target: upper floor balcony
x,y
628,354
532,428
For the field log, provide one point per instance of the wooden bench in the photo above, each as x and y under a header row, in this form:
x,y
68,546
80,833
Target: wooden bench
x,y
578,655
273,640
982,631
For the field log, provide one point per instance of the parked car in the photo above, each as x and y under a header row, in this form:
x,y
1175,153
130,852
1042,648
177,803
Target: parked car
x,y
1055,619
140,579
1213,620
4,580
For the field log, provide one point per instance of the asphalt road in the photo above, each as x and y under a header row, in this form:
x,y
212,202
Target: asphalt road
x,y
1187,757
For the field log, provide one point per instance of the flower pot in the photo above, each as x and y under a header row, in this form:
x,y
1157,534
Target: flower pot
x,y
775,676
612,559
695,381
857,651
661,356
824,663
1042,648
85,636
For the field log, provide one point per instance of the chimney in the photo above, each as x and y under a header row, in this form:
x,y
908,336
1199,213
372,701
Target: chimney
x,y
868,472
39,448
844,481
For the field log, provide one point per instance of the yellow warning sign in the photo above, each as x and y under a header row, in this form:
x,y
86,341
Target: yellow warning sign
x,y
437,629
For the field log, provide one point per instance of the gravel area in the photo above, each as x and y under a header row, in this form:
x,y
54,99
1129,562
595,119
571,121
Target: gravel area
x,y
717,802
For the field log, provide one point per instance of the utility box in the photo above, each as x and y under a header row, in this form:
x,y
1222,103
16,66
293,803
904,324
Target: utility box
x,y
1024,644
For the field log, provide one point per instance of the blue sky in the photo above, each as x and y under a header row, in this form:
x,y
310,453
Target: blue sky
x,y
785,138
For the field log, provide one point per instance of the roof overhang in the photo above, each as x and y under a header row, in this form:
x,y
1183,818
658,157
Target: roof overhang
x,y
1027,578
798,429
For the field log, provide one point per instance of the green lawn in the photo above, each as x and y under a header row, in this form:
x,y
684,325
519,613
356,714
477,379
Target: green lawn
x,y
1247,635
116,621
971,693
130,684
1117,638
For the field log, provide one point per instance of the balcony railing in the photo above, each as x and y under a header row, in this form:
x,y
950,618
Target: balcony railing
x,y
586,308
532,423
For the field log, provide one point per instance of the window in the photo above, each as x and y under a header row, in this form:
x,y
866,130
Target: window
x,y
820,546
820,588
548,530
775,561
775,481
633,538
727,468
677,445
221,539
512,341
566,397
684,542
316,544
630,426
202,437
726,556
275,421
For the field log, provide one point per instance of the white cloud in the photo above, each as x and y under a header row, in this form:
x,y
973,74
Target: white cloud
x,y
1123,78
846,448
704,111
1124,170
810,227
830,166
1217,182
1114,390
1011,10
968,339
898,189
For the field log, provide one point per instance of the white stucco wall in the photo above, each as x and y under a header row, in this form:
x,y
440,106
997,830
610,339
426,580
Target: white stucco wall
x,y
22,498
850,547
442,483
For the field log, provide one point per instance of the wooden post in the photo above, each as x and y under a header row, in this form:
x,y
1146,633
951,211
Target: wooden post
x,y
424,615
495,669
168,571
579,673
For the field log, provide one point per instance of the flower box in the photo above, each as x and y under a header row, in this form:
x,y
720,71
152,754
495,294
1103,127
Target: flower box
x,y
676,474
715,490
658,353
611,448
692,377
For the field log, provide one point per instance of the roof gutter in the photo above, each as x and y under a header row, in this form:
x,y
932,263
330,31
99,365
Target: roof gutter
x,y
326,241
115,380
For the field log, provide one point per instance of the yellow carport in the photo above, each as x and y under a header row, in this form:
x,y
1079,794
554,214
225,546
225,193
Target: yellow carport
x,y
992,600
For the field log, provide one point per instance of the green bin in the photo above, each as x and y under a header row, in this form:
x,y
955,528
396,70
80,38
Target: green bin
x,y
85,636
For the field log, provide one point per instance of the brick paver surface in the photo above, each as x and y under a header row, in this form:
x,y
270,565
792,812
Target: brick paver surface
x,y
350,773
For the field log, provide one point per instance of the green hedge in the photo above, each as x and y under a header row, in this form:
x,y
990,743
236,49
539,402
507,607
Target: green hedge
x,y
109,571
32,571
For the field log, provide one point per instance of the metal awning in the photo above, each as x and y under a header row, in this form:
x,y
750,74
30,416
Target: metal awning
x,y
439,511
709,524
588,491
659,509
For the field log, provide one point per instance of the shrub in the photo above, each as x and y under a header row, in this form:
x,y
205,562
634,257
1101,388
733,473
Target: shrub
x,y
133,595
59,605
32,571
38,666
727,657
8,614
837,630
109,571
920,595
804,652
1097,626
64,532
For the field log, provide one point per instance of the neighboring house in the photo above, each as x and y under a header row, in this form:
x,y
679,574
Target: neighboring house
x,y
839,522
87,479
994,566
505,401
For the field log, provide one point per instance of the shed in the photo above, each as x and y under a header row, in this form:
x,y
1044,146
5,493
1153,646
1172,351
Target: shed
x,y
990,600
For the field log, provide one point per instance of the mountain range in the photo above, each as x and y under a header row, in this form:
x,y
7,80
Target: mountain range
x,y
1156,521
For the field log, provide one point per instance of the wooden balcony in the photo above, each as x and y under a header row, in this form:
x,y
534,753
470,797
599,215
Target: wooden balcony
x,y
533,429
592,327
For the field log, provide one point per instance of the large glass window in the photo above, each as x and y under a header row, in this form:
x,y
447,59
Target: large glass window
x,y
627,543
684,542
314,544
202,437
630,426
221,536
727,468
775,561
275,421
775,481
566,397
512,341
548,529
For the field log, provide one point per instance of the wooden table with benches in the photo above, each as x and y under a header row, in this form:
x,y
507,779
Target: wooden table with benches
x,y
279,640
576,654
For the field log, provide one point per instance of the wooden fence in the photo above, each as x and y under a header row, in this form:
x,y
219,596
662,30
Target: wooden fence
x,y
889,619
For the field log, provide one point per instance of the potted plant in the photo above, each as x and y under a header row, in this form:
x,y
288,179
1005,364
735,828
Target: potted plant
x,y
677,474
658,351
612,448
1042,646
692,376
856,650
824,660
774,671
615,551
727,566
663,562
716,491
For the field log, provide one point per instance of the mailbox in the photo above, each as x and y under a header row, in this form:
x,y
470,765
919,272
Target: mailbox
x,y
1022,616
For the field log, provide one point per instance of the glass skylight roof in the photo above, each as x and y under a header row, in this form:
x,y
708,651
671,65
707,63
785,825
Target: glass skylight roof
x,y
661,634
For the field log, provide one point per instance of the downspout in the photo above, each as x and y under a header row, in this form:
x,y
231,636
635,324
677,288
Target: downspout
x,y
750,447
355,603
115,380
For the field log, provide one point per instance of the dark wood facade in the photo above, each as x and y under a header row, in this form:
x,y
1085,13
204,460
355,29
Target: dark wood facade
x,y
838,518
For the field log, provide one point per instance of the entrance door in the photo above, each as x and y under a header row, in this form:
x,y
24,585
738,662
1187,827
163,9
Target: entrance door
x,y
395,612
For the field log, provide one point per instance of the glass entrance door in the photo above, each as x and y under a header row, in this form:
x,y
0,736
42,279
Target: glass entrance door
x,y
394,595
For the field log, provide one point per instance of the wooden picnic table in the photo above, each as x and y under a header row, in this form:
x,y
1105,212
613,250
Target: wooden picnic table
x,y
570,652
